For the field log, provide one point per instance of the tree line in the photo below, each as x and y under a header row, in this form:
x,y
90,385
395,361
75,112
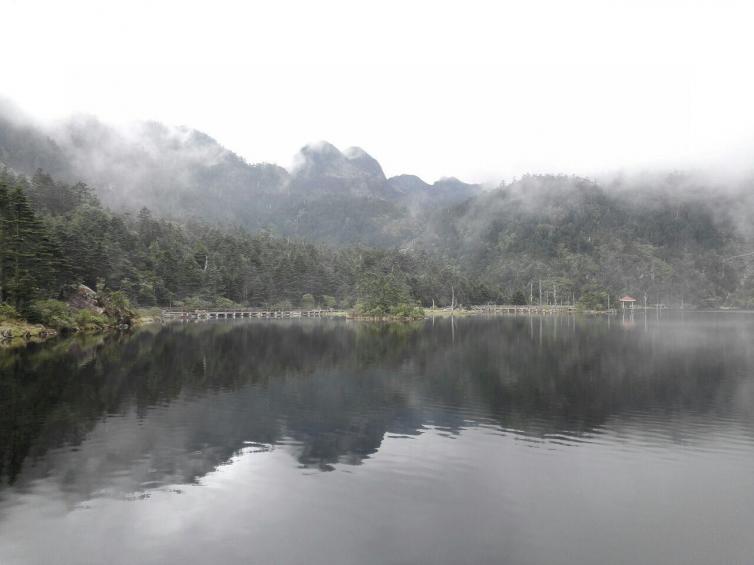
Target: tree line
x,y
558,239
548,240
57,235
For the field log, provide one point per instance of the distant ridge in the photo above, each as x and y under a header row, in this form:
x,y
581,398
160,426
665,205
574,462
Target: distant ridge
x,y
180,172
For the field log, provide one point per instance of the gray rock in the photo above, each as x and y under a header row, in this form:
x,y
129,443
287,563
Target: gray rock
x,y
84,298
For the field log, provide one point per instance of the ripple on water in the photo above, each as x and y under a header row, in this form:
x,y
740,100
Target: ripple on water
x,y
594,446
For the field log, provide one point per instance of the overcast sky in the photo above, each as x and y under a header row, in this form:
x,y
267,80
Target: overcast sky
x,y
478,90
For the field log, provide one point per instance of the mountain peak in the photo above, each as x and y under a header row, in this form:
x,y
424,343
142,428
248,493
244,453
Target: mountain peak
x,y
408,184
356,153
449,181
323,159
316,158
321,148
364,161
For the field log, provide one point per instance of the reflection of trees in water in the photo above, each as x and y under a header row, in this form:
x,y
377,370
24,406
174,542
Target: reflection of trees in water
x,y
334,389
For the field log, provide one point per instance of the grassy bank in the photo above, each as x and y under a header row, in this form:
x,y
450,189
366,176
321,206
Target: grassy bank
x,y
86,312
19,332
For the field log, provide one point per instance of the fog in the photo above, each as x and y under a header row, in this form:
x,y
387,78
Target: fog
x,y
253,124
485,94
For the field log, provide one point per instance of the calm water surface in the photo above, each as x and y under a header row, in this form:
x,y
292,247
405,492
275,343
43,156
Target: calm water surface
x,y
506,440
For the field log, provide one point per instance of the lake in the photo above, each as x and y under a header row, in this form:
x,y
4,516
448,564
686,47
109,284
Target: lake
x,y
521,440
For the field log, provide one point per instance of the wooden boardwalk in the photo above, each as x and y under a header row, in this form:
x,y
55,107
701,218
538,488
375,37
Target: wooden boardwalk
x,y
184,315
180,315
528,309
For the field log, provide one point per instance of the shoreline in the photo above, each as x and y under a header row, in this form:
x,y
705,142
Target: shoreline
x,y
17,333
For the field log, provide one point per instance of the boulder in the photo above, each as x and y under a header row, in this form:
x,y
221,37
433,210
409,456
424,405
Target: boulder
x,y
84,298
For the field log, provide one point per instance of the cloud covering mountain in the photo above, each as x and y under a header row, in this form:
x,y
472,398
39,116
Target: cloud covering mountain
x,y
329,195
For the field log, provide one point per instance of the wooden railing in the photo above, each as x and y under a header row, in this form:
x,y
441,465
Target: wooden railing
x,y
527,309
179,314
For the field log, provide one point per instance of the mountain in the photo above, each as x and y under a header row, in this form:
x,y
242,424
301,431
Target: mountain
x,y
322,168
420,197
674,239
177,172
662,241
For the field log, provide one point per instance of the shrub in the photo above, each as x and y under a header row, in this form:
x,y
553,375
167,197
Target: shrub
x,y
407,311
52,313
379,292
194,303
222,302
8,313
369,310
404,310
117,307
86,319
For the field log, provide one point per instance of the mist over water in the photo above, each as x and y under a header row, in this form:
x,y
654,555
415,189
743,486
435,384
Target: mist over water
x,y
571,183
501,440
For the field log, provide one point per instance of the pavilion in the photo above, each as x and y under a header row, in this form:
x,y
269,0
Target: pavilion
x,y
627,302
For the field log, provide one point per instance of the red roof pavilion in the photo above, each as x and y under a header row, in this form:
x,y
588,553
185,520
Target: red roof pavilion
x,y
627,301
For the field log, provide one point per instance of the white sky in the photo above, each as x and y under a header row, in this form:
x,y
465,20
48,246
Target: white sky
x,y
479,90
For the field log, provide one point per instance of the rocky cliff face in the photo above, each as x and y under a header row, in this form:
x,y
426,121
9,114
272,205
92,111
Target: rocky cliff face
x,y
320,168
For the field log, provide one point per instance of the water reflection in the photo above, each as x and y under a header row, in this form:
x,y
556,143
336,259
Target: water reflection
x,y
188,397
135,416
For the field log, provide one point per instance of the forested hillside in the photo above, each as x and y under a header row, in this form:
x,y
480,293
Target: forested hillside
x,y
174,217
55,235
664,242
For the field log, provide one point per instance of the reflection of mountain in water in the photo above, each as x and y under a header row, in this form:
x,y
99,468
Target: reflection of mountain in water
x,y
168,405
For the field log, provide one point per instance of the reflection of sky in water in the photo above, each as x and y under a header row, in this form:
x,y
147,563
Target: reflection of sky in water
x,y
579,444
428,499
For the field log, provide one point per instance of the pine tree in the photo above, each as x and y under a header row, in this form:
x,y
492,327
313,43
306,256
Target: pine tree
x,y
28,255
